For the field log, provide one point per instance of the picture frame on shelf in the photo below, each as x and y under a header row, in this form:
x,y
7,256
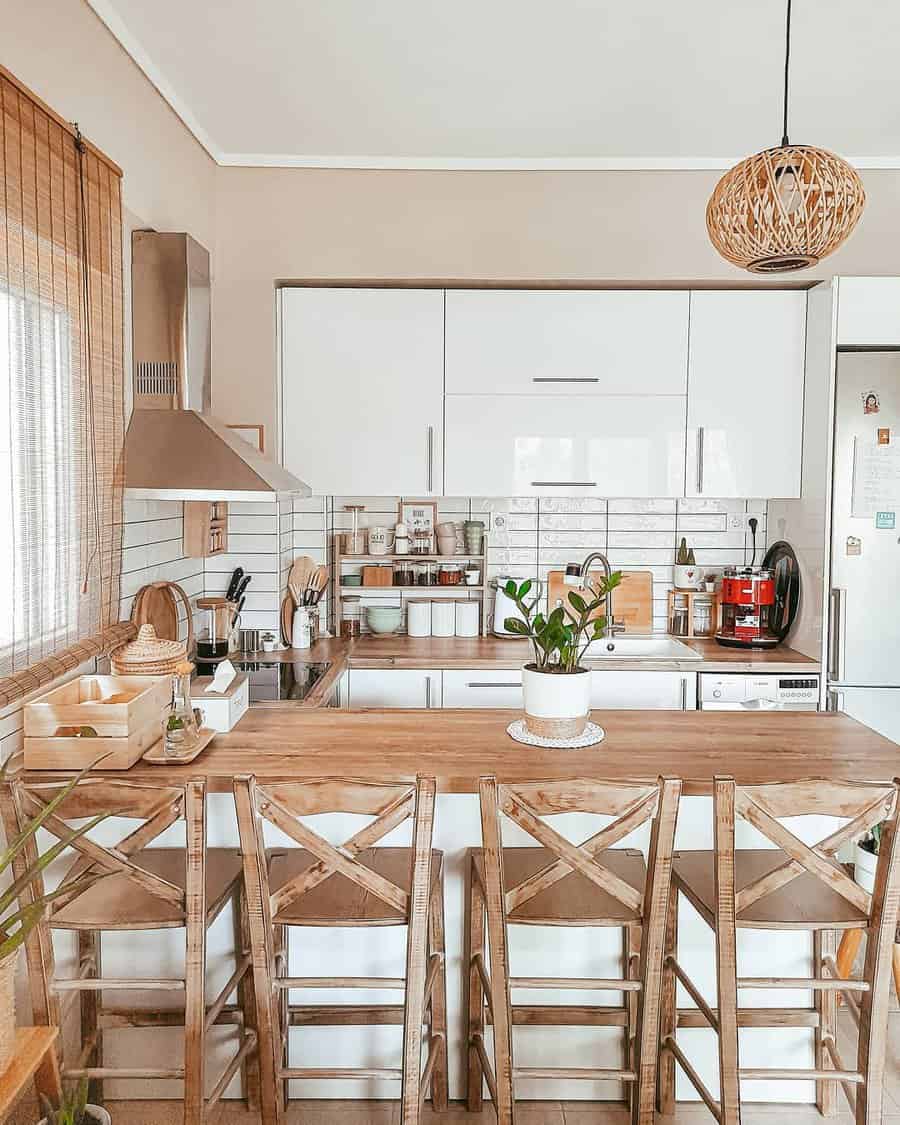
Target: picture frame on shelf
x,y
418,515
253,433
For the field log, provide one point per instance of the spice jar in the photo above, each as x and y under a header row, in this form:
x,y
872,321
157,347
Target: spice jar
x,y
678,621
703,617
350,618
421,542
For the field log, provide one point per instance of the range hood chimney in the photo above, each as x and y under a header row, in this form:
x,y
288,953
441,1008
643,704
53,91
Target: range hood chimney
x,y
174,448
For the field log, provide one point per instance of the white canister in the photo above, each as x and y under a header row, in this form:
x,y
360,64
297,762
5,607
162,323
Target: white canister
x,y
443,618
418,617
467,619
381,539
301,636
401,539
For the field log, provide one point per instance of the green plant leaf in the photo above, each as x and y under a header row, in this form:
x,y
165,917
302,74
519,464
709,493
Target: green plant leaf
x,y
599,624
577,601
515,625
524,588
14,890
510,589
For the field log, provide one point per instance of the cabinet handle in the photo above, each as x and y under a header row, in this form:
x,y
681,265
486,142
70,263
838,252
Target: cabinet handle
x,y
429,474
836,638
834,701
551,379
699,458
563,484
428,693
480,684
683,694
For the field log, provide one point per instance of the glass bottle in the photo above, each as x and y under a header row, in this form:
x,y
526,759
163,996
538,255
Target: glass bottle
x,y
181,730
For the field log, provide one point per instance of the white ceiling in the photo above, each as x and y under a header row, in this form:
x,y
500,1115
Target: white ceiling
x,y
518,83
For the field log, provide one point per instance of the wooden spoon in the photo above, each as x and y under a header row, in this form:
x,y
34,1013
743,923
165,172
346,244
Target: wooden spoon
x,y
298,578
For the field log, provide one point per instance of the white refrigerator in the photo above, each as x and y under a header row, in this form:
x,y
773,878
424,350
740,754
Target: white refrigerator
x,y
864,638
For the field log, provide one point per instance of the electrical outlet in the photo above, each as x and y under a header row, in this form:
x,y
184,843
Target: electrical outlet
x,y
737,521
495,521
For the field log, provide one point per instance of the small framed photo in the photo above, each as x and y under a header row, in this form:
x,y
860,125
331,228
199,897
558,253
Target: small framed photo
x,y
255,435
418,515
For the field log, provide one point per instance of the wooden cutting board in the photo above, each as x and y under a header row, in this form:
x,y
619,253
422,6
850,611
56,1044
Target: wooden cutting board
x,y
632,599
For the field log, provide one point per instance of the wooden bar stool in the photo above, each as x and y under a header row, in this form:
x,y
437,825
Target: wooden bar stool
x,y
788,887
561,884
354,885
133,887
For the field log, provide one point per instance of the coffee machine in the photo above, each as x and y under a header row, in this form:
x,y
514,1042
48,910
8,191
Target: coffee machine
x,y
748,597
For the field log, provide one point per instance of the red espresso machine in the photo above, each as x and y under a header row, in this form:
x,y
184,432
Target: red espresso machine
x,y
748,600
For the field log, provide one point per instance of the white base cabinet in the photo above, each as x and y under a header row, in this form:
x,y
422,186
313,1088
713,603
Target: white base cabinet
x,y
483,687
616,690
394,687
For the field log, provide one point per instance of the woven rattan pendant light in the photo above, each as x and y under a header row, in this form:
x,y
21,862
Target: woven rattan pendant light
x,y
785,208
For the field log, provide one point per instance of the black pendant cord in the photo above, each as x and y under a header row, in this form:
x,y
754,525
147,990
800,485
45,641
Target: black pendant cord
x,y
787,62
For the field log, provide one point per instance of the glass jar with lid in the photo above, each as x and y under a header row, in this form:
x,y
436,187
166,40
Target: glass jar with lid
x,y
182,732
704,622
350,618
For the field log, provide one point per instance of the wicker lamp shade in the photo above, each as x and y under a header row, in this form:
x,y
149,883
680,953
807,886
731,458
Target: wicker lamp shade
x,y
784,209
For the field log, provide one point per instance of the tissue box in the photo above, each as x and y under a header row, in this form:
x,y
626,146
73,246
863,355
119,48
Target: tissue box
x,y
221,710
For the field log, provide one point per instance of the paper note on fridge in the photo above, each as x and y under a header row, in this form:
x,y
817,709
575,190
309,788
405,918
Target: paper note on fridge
x,y
876,477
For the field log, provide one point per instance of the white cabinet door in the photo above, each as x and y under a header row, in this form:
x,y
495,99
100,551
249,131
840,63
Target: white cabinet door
x,y
868,311
639,691
483,687
394,687
523,445
745,394
542,341
362,389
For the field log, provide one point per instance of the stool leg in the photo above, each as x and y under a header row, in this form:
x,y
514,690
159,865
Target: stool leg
x,y
195,956
439,1076
826,1006
246,999
283,1028
726,955
499,950
631,948
89,947
474,944
668,1018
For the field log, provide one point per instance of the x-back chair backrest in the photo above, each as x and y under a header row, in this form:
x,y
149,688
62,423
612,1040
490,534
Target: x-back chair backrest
x,y
283,803
157,808
762,806
630,804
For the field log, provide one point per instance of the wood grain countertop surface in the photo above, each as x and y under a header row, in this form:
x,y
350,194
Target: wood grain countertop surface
x,y
458,747
497,652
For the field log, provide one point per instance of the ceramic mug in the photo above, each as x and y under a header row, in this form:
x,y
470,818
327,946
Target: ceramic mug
x,y
381,540
688,577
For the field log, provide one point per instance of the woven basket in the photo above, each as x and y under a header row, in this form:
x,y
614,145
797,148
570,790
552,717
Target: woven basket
x,y
7,1010
148,655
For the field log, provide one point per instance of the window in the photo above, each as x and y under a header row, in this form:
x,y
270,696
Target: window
x,y
61,401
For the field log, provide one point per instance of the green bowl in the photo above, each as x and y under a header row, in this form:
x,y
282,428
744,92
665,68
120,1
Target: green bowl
x,y
383,619
351,580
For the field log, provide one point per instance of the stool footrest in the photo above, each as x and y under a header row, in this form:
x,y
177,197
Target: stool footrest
x,y
601,984
344,1015
764,1074
123,1072
98,984
588,1074
378,1073
822,984
566,1015
340,982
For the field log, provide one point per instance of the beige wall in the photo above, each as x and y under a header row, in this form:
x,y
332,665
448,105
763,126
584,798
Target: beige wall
x,y
63,52
280,224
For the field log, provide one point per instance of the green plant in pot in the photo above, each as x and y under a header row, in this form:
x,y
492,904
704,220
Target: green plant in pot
x,y
556,686
20,911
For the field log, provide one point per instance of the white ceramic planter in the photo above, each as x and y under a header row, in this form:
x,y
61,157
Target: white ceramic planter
x,y
864,864
94,1112
556,705
688,577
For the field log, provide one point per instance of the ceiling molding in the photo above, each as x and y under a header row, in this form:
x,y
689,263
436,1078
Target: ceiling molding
x,y
106,12
132,46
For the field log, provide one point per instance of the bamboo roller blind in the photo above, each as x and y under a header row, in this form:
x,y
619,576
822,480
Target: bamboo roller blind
x,y
61,391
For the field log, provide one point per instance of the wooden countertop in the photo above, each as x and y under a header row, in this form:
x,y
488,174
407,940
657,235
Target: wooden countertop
x,y
459,746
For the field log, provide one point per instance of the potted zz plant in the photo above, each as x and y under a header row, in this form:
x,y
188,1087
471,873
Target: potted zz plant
x,y
74,1109
20,868
557,688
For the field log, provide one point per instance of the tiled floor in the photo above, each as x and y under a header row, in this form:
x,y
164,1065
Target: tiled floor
x,y
527,1113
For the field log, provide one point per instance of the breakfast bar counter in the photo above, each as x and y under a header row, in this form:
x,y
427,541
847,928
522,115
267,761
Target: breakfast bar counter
x,y
458,747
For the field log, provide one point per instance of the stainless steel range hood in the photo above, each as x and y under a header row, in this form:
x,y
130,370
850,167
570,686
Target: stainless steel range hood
x,y
174,448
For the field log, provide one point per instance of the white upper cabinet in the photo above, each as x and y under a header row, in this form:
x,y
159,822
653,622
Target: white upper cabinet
x,y
868,311
745,393
554,342
526,445
362,389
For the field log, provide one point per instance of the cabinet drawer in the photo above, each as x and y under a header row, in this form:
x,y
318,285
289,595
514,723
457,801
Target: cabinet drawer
x,y
480,687
397,687
639,691
566,342
525,445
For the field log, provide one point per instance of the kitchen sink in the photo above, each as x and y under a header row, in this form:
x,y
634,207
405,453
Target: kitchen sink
x,y
640,648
